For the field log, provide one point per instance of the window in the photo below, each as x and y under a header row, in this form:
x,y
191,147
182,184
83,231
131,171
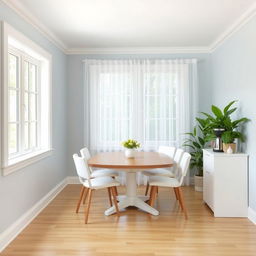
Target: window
x,y
148,100
23,104
160,110
26,110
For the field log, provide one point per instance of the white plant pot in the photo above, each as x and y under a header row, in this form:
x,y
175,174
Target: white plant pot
x,y
130,152
198,183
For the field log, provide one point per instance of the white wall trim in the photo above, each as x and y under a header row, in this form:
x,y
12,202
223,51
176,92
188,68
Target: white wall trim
x,y
73,180
192,181
137,50
252,215
37,156
10,233
237,25
25,46
32,20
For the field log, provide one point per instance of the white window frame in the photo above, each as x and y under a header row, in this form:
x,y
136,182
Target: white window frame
x,y
12,40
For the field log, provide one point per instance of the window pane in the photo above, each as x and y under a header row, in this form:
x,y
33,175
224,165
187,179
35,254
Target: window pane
x,y
32,77
171,106
115,107
32,106
26,106
152,106
12,138
13,71
33,135
12,106
172,129
151,130
26,75
151,85
26,132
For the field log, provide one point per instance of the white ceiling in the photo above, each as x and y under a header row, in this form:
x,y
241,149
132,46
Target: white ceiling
x,y
79,24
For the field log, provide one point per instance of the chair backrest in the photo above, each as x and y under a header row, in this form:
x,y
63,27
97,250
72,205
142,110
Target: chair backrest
x,y
82,168
85,153
178,155
169,151
184,163
183,166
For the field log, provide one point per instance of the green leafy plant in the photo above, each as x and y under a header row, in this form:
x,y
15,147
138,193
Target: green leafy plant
x,y
230,136
205,127
203,133
131,144
197,143
222,119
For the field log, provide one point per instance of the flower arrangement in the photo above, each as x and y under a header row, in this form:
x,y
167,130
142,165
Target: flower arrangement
x,y
131,144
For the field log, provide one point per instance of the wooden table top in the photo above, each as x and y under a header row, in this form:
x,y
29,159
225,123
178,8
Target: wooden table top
x,y
142,160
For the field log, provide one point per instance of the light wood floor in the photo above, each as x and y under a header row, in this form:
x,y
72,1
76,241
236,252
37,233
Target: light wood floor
x,y
59,231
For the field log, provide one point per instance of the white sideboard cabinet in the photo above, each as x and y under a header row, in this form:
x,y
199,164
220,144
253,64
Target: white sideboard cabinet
x,y
226,183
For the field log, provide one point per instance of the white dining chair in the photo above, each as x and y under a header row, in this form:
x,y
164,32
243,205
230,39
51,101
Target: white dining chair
x,y
90,184
176,182
97,172
172,153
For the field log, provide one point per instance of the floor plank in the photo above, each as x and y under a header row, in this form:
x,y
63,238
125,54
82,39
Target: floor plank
x,y
58,230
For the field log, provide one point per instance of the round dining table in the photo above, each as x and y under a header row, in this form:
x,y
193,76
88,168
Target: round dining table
x,y
141,161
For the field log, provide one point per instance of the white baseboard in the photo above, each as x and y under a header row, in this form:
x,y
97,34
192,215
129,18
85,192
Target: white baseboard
x,y
10,233
252,215
73,180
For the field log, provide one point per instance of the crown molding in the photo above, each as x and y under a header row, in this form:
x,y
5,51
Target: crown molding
x,y
137,50
235,27
32,20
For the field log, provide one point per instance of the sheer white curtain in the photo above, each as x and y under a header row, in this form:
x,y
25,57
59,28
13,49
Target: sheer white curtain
x,y
152,101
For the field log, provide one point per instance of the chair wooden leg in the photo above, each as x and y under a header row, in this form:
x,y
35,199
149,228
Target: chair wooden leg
x,y
150,195
146,192
85,195
153,195
109,197
87,209
178,196
182,202
116,191
113,189
113,177
176,193
80,198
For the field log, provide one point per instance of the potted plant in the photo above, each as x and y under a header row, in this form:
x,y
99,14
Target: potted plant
x,y
221,125
130,146
228,139
197,143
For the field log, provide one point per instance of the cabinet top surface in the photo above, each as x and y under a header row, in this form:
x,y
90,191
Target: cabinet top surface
x,y
220,154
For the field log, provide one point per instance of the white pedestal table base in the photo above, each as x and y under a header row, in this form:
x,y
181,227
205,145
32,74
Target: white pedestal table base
x,y
131,198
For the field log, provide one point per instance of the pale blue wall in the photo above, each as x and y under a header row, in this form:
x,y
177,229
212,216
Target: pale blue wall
x,y
234,77
20,190
76,98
